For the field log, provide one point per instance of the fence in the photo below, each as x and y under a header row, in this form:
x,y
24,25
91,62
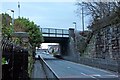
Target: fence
x,y
17,58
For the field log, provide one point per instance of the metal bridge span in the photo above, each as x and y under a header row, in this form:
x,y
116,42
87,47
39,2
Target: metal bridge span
x,y
51,32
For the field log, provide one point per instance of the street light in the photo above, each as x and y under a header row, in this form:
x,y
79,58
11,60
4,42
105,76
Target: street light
x,y
75,32
74,24
12,19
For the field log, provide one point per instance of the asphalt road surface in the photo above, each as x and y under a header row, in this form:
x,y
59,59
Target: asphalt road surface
x,y
47,56
69,70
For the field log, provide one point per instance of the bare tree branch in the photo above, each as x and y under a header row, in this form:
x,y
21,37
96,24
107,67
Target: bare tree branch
x,y
98,10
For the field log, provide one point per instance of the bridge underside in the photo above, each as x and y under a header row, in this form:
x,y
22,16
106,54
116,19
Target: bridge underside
x,y
63,43
55,39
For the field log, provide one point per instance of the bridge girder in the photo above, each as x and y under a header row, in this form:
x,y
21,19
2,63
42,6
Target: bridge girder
x,y
55,39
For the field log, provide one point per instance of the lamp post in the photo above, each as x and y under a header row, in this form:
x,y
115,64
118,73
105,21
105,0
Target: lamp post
x,y
12,19
74,23
75,32
75,28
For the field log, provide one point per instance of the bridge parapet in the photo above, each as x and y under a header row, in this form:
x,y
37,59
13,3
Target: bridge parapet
x,y
51,32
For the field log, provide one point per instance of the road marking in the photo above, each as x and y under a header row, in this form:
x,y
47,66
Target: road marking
x,y
96,75
89,76
83,74
111,75
68,67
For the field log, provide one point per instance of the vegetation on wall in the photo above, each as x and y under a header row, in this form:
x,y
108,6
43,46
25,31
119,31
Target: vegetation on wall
x,y
3,61
35,36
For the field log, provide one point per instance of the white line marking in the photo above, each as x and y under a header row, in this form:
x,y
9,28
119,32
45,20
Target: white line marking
x,y
88,75
96,75
111,75
68,67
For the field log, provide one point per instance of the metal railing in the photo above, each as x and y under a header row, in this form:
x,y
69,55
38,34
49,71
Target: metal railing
x,y
50,74
17,58
50,32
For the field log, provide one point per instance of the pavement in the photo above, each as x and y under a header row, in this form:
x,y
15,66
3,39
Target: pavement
x,y
38,72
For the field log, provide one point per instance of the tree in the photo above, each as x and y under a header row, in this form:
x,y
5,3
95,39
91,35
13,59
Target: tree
x,y
35,36
98,10
22,24
6,27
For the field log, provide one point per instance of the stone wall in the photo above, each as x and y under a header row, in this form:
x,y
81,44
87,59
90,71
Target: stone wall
x,y
107,42
103,50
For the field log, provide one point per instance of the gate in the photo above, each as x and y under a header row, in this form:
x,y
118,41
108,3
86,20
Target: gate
x,y
17,61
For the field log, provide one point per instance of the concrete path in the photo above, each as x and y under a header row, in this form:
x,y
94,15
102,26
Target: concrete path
x,y
38,72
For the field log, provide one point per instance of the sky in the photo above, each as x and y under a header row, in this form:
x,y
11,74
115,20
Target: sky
x,y
47,14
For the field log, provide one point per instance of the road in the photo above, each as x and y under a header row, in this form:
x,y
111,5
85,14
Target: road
x,y
67,69
47,57
70,70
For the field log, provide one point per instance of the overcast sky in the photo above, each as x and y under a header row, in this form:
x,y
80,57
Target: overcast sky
x,y
46,14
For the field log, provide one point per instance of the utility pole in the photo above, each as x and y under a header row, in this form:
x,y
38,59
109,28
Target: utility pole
x,y
82,18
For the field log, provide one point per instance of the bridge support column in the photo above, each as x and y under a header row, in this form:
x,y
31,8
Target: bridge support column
x,y
72,53
64,48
